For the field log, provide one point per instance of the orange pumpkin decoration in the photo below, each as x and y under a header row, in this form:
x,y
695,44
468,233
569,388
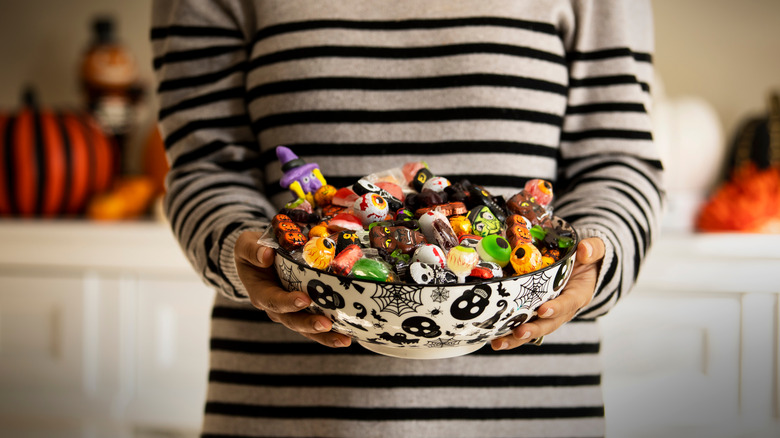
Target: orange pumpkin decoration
x,y
51,163
155,165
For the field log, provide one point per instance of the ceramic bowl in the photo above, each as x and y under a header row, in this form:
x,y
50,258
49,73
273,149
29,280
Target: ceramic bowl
x,y
427,321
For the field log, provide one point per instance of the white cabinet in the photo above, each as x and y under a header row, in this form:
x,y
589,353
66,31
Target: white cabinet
x,y
693,351
104,332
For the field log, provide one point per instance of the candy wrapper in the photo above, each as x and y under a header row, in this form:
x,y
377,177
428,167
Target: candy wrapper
x,y
409,225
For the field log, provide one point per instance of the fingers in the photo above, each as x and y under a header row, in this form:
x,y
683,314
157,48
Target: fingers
x,y
254,265
249,250
590,251
576,295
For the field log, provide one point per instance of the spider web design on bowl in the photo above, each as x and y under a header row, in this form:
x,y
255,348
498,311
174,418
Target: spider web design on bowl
x,y
398,299
532,291
440,295
289,277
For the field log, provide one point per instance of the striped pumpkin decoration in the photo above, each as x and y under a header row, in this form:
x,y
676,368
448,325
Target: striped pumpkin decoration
x,y
52,162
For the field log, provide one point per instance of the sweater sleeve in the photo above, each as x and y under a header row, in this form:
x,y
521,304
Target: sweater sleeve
x,y
214,189
611,171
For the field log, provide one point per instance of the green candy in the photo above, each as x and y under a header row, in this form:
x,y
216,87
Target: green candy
x,y
538,232
372,269
494,249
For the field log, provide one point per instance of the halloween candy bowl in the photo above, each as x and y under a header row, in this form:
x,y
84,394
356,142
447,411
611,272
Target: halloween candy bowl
x,y
429,321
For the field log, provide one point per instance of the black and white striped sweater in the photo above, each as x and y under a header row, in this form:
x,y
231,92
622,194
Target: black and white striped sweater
x,y
497,92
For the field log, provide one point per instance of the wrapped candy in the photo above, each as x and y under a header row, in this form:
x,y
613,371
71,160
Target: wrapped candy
x,y
430,254
370,208
483,222
437,184
494,249
461,260
363,187
345,259
288,234
324,195
390,238
525,258
479,196
540,191
437,230
460,224
373,269
422,175
440,232
431,273
319,252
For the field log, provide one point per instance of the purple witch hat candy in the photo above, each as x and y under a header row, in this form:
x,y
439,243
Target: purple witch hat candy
x,y
301,178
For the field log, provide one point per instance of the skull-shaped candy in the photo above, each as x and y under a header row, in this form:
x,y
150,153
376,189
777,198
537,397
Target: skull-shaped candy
x,y
429,273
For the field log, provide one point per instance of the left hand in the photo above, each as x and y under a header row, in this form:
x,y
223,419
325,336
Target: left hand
x,y
576,295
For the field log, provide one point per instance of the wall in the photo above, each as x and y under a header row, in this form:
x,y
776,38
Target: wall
x,y
724,51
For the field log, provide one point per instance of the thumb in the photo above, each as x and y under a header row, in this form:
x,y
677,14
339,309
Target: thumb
x,y
590,250
249,250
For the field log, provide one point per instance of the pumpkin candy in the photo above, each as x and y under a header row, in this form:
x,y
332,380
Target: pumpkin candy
x,y
52,162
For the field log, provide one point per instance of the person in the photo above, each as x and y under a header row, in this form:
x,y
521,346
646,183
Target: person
x,y
497,92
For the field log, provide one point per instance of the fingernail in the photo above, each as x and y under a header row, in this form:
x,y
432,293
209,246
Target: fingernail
x,y
318,326
338,343
504,345
300,303
526,335
548,313
588,249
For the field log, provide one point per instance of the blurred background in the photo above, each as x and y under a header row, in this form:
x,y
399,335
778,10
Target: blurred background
x,y
103,328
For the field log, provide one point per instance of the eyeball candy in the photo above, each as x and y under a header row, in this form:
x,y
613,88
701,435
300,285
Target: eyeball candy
x,y
437,184
525,258
461,260
431,254
370,208
363,186
437,230
319,252
541,191
494,249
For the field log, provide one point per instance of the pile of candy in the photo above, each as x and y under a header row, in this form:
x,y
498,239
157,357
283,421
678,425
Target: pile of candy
x,y
405,225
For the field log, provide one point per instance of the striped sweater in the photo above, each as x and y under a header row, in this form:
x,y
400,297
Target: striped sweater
x,y
493,91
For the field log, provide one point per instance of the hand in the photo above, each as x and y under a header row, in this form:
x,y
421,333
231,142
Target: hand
x,y
576,295
254,264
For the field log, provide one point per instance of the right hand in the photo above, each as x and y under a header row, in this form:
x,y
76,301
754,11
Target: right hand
x,y
254,263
